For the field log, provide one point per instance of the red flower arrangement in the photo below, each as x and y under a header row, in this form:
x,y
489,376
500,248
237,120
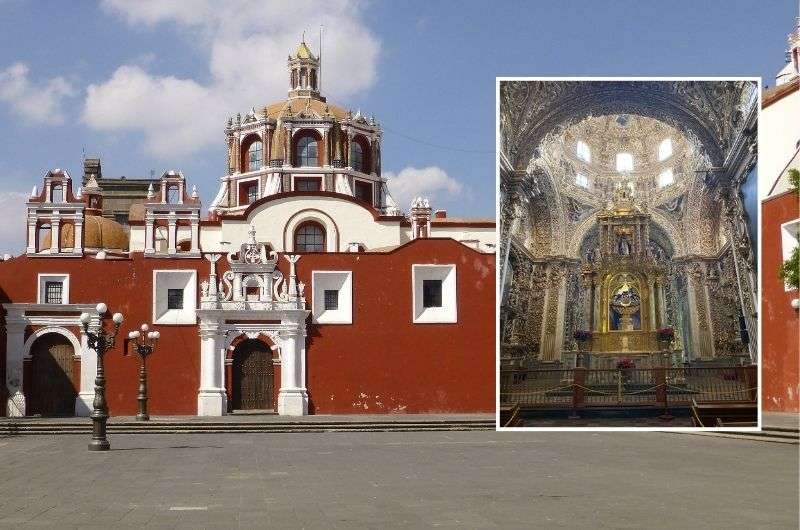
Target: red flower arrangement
x,y
625,364
582,335
666,334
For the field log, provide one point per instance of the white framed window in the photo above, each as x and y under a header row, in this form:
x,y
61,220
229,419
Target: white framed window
x,y
624,162
665,149
790,239
582,180
583,151
174,297
434,297
53,289
332,301
666,178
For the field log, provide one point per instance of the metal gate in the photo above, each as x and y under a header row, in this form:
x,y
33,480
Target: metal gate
x,y
52,391
253,376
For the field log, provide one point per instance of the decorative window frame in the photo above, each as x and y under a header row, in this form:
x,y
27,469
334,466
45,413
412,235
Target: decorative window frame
x,y
50,276
342,281
239,183
365,181
790,238
302,176
448,313
163,280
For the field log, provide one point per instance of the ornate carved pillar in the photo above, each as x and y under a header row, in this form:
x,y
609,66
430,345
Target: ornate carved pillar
x,y
703,339
653,301
293,396
15,343
55,235
85,400
211,398
77,245
553,321
172,232
149,233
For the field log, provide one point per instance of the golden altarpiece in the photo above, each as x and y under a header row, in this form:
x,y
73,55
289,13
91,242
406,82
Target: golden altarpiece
x,y
623,284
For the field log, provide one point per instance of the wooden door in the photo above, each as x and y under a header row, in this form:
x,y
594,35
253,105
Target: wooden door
x,y
253,376
52,391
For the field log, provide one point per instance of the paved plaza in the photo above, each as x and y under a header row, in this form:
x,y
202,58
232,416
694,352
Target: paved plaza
x,y
386,480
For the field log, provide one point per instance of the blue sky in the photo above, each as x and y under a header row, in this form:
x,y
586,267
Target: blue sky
x,y
147,85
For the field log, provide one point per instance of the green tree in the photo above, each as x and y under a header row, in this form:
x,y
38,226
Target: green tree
x,y
789,271
794,180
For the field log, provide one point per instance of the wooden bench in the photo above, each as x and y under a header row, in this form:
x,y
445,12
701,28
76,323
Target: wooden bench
x,y
712,414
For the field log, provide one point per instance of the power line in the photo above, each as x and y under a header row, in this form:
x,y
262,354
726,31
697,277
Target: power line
x,y
438,146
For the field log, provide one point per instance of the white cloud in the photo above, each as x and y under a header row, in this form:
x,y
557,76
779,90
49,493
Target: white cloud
x,y
247,44
34,102
431,181
12,231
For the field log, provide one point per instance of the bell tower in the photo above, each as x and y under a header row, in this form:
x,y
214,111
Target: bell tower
x,y
304,74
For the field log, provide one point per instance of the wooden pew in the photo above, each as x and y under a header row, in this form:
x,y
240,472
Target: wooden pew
x,y
728,413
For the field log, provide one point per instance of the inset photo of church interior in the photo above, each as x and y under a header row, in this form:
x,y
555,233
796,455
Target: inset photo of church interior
x,y
628,266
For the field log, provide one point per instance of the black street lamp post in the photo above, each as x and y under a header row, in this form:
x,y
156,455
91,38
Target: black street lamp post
x,y
145,343
100,342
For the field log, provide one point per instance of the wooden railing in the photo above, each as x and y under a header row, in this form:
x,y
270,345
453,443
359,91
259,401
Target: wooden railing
x,y
581,387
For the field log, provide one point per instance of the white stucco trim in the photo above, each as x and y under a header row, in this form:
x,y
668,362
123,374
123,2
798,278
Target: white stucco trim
x,y
341,281
448,312
163,280
312,214
54,276
76,344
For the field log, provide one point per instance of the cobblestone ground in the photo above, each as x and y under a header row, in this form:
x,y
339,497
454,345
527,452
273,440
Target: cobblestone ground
x,y
388,480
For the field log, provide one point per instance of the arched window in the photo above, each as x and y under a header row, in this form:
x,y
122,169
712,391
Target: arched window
x,y
254,156
309,237
57,194
357,157
307,154
583,151
173,194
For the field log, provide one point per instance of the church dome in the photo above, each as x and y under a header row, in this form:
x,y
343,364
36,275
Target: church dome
x,y
98,233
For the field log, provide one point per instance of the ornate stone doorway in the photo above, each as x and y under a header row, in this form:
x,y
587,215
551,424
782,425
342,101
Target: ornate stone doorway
x,y
52,391
253,377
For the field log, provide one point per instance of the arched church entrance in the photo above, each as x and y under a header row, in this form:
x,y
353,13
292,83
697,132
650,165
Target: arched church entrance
x,y
52,390
253,376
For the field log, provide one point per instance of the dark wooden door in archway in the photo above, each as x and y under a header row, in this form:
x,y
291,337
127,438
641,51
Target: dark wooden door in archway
x,y
253,376
52,391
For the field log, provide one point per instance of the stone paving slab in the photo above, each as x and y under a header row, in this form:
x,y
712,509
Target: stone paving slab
x,y
481,479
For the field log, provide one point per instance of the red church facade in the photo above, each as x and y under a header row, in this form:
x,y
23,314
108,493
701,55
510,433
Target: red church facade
x,y
306,290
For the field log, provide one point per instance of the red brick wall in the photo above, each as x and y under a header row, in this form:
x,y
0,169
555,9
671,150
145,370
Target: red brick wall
x,y
380,363
780,326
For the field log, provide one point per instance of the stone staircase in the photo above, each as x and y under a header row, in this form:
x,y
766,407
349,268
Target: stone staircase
x,y
231,424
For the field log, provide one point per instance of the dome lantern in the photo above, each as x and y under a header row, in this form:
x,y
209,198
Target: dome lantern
x,y
304,74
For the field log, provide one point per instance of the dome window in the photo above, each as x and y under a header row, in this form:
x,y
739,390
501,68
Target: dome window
x,y
624,162
582,180
357,157
254,156
309,237
583,151
666,178
307,152
665,150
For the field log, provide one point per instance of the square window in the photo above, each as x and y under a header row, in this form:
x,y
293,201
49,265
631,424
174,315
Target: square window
x,y
53,289
431,293
331,299
434,297
307,184
53,292
363,191
174,298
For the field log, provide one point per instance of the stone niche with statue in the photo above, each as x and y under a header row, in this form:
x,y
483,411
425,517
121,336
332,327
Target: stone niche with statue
x,y
625,303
